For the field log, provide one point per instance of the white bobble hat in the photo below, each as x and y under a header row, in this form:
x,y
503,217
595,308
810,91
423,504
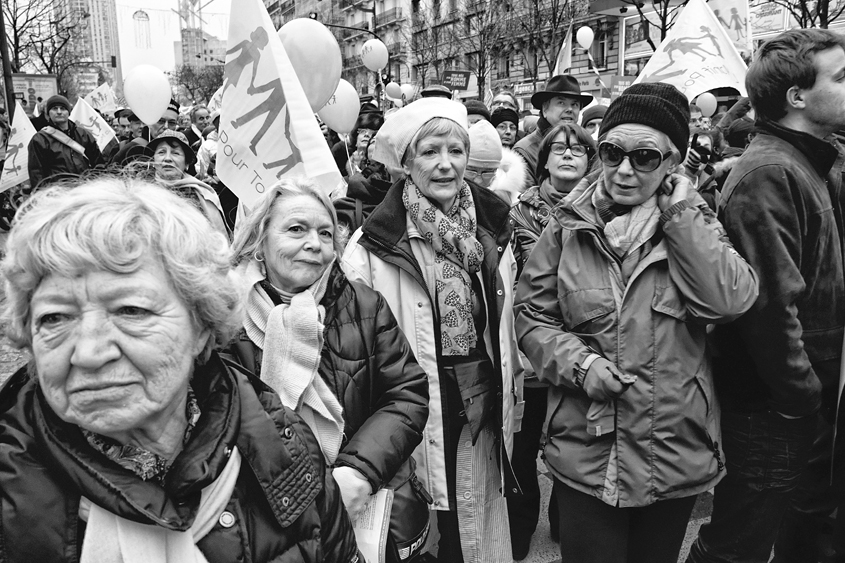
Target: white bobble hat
x,y
485,146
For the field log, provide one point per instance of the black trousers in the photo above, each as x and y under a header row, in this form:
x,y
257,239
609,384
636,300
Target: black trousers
x,y
524,509
594,532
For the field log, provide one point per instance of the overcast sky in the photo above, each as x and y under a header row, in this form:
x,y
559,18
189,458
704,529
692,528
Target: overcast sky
x,y
163,30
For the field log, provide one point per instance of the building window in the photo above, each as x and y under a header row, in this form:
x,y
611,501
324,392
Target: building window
x,y
600,47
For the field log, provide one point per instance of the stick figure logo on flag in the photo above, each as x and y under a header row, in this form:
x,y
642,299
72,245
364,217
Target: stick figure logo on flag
x,y
267,127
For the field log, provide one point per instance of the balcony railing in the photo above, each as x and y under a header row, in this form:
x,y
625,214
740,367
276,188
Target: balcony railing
x,y
287,6
352,62
395,48
389,16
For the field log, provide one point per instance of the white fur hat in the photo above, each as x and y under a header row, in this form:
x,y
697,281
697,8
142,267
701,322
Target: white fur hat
x,y
485,146
397,132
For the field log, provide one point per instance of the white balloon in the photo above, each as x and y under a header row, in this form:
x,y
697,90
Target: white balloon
x,y
584,37
408,92
311,46
341,111
707,103
147,91
374,54
393,90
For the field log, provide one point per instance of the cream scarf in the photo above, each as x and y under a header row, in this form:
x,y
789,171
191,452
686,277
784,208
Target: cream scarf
x,y
626,233
294,334
112,539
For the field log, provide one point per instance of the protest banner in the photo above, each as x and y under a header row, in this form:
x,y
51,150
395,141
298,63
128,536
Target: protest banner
x,y
17,151
267,127
85,116
697,55
732,15
564,56
102,98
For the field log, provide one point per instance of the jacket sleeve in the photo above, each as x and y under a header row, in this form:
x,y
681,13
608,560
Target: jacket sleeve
x,y
555,354
92,151
400,388
717,284
37,159
336,533
761,218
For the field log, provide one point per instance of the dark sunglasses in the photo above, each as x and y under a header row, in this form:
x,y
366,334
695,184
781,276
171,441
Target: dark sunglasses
x,y
643,160
560,148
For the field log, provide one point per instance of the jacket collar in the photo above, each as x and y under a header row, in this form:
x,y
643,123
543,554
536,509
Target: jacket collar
x,y
386,223
821,154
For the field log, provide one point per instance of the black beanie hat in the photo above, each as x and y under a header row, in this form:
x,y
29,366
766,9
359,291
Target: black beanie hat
x,y
502,114
658,105
57,100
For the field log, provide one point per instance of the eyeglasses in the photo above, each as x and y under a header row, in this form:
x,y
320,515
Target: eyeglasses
x,y
643,160
486,175
560,149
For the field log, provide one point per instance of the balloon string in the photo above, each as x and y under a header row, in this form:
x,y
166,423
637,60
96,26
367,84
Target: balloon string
x,y
595,70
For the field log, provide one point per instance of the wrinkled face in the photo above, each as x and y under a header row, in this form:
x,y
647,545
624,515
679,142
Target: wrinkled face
x,y
135,127
565,167
59,116
114,352
503,101
507,133
170,120
825,101
299,243
437,168
629,186
202,119
169,158
562,109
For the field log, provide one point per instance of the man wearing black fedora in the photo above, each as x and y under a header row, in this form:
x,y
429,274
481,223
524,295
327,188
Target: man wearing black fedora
x,y
560,102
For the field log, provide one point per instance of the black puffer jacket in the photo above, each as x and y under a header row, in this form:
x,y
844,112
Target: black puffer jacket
x,y
286,510
369,366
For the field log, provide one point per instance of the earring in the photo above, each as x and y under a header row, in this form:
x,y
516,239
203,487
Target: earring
x,y
259,257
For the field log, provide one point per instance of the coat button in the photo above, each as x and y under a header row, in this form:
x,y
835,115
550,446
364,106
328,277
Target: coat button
x,y
467,495
285,502
419,304
227,519
499,248
468,443
308,477
288,433
499,292
227,451
437,503
431,441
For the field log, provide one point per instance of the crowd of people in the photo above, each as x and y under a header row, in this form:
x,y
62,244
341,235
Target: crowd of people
x,y
651,299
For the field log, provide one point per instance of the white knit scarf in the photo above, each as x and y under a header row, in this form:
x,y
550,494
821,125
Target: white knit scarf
x,y
294,337
112,539
626,233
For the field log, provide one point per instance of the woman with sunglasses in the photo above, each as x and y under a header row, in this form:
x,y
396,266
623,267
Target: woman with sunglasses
x,y
612,310
566,153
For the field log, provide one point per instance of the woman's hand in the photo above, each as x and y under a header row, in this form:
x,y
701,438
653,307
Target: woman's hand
x,y
675,188
603,381
354,489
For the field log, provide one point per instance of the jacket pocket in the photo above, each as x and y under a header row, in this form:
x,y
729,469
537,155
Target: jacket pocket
x,y
582,306
668,300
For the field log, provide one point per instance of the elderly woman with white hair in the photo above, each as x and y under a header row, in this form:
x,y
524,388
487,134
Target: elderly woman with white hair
x,y
127,438
333,351
437,249
612,312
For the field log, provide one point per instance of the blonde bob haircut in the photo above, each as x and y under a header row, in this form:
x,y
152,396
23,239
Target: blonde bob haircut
x,y
251,232
115,224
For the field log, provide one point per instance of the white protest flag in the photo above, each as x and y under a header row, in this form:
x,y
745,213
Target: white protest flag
x,y
733,16
102,98
564,57
85,116
17,151
696,56
267,127
216,101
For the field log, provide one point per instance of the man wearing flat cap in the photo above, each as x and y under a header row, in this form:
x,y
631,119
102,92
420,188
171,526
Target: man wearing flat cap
x,y
60,149
559,102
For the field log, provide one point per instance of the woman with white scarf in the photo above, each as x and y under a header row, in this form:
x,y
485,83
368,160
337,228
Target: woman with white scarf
x,y
612,312
127,438
333,352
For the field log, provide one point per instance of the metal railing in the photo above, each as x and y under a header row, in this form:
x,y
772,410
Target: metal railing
x,y
389,16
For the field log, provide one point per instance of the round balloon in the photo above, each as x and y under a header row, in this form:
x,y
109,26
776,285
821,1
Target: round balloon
x,y
341,111
147,91
408,92
374,54
584,37
315,55
706,102
393,90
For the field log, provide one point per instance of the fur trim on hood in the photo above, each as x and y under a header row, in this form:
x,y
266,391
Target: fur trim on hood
x,y
510,178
